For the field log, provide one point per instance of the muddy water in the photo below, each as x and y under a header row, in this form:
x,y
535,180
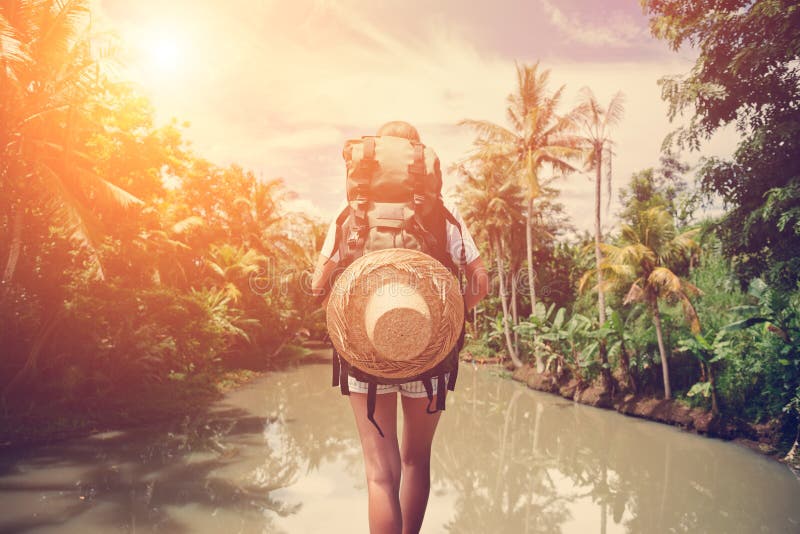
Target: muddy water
x,y
281,456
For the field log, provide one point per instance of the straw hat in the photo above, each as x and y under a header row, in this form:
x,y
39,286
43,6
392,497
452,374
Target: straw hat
x,y
395,313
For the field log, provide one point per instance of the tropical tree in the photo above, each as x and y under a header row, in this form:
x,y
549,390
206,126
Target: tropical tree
x,y
48,78
746,74
491,205
258,218
537,137
643,263
596,122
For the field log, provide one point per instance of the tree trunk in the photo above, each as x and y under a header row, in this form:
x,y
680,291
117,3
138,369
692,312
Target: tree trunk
x,y
529,246
598,258
514,313
531,280
662,351
605,369
793,456
712,383
504,300
598,237
625,361
16,246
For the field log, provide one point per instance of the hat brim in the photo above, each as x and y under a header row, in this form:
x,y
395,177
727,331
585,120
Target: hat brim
x,y
352,291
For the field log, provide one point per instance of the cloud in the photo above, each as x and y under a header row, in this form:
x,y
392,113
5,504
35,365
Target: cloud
x,y
618,30
280,88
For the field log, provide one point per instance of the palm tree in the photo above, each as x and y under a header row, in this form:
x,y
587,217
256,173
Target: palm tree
x,y
643,262
596,122
48,77
232,269
262,224
537,136
491,206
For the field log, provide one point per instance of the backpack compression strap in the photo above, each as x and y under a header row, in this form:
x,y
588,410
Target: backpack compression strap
x,y
417,172
362,175
441,392
341,370
372,397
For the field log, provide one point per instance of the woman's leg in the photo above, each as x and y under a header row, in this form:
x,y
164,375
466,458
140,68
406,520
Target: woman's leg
x,y
415,453
381,461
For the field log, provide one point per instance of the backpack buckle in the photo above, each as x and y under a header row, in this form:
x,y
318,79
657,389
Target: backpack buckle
x,y
362,201
419,199
354,239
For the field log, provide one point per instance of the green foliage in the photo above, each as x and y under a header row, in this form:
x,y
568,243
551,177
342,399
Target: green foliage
x,y
562,343
128,260
664,187
776,338
479,348
747,74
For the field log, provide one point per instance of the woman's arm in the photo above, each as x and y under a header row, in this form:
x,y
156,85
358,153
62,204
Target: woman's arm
x,y
322,274
477,283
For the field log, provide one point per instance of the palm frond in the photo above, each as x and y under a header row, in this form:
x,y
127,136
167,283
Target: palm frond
x,y
667,281
635,294
13,54
615,111
184,225
490,131
690,313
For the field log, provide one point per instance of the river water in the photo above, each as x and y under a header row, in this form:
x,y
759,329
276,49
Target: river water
x,y
281,455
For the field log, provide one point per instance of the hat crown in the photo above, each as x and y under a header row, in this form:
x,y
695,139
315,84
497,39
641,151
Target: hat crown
x,y
395,313
398,321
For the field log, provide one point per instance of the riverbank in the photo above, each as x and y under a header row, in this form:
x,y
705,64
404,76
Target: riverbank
x,y
765,439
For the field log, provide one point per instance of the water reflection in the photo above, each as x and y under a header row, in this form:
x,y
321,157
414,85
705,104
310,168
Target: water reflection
x,y
282,456
536,463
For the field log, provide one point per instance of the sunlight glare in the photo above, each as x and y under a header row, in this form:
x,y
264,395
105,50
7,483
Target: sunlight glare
x,y
165,52
162,50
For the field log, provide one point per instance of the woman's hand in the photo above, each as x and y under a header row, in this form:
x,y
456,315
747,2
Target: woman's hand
x,y
477,283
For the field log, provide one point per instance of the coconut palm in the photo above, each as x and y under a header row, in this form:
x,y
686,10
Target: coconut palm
x,y
261,223
537,137
491,206
643,264
596,122
48,76
232,269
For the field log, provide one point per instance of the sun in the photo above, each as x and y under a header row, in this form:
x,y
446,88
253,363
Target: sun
x,y
161,49
165,52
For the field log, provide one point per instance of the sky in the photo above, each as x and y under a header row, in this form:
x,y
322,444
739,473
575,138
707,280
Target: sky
x,y
278,86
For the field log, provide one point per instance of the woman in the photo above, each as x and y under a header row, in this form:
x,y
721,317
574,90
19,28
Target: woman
x,y
396,507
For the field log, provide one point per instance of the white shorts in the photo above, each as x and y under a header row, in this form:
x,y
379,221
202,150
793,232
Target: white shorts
x,y
414,389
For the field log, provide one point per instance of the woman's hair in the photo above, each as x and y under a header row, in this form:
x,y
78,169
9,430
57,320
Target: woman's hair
x,y
399,129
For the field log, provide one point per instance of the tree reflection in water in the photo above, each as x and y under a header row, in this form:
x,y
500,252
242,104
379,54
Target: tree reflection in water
x,y
283,456
521,461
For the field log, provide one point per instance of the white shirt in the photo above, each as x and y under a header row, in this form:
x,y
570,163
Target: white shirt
x,y
454,238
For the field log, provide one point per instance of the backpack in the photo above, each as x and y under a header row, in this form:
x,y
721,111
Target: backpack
x,y
394,201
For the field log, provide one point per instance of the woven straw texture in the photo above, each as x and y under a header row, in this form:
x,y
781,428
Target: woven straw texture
x,y
412,334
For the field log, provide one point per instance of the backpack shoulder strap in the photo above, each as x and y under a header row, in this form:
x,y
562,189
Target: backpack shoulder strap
x,y
340,220
449,217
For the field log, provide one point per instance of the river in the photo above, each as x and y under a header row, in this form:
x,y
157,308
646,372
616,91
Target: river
x,y
281,455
